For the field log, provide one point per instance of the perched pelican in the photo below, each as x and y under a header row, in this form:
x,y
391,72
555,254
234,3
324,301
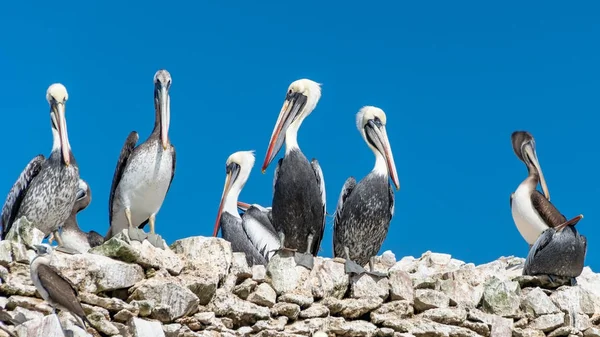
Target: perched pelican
x,y
54,288
529,207
559,251
364,210
144,173
45,191
73,237
299,188
252,233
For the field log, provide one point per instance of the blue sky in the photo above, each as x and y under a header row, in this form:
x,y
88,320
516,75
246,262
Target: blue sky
x,y
454,80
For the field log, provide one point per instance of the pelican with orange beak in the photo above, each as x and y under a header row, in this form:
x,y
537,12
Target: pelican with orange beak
x,y
251,233
364,210
144,174
298,207
531,210
46,190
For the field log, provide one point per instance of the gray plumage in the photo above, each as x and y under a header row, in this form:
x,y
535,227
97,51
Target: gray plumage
x,y
45,192
298,202
54,288
559,253
233,231
17,193
362,217
73,237
144,174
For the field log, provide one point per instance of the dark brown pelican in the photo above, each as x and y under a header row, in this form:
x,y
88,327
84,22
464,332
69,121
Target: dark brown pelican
x,y
559,251
364,210
144,173
54,288
73,237
527,203
252,233
299,189
46,190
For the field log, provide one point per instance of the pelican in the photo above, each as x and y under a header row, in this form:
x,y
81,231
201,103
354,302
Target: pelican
x,y
73,237
252,233
144,174
364,210
298,186
45,191
559,251
530,208
54,288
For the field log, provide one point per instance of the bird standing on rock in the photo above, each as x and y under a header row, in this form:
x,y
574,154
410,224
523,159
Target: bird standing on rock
x,y
45,192
299,188
144,174
364,210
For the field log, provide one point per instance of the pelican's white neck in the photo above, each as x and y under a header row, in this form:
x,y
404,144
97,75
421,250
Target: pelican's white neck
x,y
380,167
291,136
55,140
231,199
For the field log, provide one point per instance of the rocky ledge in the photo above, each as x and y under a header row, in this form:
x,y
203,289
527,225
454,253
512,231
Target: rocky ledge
x,y
198,287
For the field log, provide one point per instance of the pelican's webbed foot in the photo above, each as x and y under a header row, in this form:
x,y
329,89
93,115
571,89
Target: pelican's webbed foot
x,y
305,260
156,240
136,234
351,267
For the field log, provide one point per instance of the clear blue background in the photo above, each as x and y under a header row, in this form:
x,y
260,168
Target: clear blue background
x,y
454,79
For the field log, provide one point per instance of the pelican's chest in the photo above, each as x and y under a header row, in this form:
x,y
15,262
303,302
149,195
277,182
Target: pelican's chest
x,y
148,171
526,218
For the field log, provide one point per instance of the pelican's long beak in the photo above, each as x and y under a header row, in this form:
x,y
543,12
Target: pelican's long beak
x,y
529,150
58,109
243,206
164,104
378,135
293,104
572,222
233,170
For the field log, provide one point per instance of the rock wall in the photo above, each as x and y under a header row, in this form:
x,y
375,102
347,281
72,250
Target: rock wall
x,y
198,287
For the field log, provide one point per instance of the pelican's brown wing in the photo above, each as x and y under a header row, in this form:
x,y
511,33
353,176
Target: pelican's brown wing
x,y
551,216
60,290
126,151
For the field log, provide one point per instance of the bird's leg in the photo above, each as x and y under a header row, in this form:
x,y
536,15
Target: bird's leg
x,y
135,234
372,268
154,238
51,238
351,267
61,245
306,259
282,239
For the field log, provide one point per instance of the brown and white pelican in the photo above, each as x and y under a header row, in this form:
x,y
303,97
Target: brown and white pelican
x,y
530,207
54,288
45,192
559,251
299,189
252,233
364,210
73,237
144,173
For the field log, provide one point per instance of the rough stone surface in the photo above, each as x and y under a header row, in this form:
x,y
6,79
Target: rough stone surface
x,y
199,287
